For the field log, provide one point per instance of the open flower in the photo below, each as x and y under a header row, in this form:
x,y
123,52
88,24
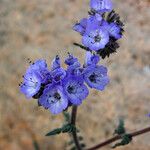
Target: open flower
x,y
36,75
75,89
96,77
101,5
54,99
81,26
96,39
31,85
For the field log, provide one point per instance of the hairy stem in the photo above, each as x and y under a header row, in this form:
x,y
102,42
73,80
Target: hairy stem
x,y
118,137
73,121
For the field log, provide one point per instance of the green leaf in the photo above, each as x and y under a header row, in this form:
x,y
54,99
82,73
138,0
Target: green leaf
x,y
80,138
120,129
70,142
82,145
126,139
54,132
68,128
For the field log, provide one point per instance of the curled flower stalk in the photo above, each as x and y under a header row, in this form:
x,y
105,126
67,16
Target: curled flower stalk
x,y
58,88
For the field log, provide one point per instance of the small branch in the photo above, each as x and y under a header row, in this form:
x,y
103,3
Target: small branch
x,y
73,121
118,137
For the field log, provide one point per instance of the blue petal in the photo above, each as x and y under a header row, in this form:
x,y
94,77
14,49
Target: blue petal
x,y
58,74
31,84
114,30
55,63
93,23
40,67
87,40
75,89
81,26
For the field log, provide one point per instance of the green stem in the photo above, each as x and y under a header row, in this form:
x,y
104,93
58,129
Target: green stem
x,y
73,121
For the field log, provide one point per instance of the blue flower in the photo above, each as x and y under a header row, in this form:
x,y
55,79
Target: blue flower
x,y
96,77
101,5
36,75
96,39
31,85
114,30
91,59
75,89
81,26
54,99
70,60
57,72
74,66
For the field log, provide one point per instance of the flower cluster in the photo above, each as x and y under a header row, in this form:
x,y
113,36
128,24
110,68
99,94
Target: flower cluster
x,y
100,32
57,88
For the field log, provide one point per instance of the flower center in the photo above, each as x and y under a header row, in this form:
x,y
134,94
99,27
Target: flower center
x,y
57,96
97,38
71,89
92,77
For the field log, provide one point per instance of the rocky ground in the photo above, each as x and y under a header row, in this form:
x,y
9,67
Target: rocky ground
x,y
41,29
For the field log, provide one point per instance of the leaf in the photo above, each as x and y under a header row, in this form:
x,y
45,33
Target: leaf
x,y
126,139
68,128
120,129
54,132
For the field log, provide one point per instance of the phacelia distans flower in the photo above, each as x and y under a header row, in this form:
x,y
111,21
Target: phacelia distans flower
x,y
96,39
35,77
81,26
101,5
101,30
94,75
54,99
75,89
31,85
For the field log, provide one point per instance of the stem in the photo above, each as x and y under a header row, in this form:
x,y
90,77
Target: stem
x,y
81,46
73,121
118,137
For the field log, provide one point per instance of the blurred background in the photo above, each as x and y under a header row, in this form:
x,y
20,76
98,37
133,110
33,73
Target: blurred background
x,y
41,29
